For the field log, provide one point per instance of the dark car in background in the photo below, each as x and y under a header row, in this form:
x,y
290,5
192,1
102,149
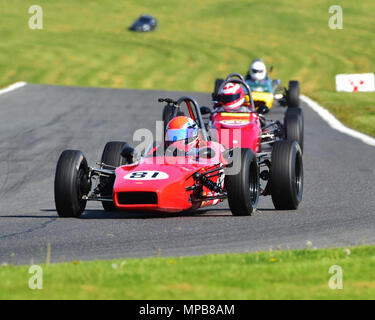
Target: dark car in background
x,y
144,23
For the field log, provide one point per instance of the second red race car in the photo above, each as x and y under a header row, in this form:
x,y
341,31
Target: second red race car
x,y
277,146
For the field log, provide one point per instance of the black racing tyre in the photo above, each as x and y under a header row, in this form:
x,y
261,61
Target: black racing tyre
x,y
218,83
294,127
111,156
286,175
292,96
71,184
298,111
243,187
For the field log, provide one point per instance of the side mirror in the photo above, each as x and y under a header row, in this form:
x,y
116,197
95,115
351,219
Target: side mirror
x,y
205,110
128,153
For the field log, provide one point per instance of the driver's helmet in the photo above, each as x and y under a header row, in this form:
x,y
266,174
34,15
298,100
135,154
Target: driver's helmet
x,y
231,97
182,133
258,70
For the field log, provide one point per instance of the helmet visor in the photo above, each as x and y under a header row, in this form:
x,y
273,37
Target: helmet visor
x,y
182,134
229,98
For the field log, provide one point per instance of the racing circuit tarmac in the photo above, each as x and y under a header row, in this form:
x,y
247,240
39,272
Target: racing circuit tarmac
x,y
38,122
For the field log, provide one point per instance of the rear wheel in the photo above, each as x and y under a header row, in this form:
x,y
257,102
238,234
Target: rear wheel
x,y
298,111
293,94
71,184
286,175
243,187
294,126
111,156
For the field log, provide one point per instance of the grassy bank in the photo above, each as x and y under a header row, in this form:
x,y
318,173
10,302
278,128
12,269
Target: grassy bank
x,y
86,43
301,274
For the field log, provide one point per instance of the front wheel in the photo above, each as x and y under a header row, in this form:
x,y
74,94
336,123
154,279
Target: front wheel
x,y
286,175
72,183
243,187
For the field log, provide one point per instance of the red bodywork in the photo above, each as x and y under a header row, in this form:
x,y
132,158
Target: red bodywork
x,y
242,130
160,183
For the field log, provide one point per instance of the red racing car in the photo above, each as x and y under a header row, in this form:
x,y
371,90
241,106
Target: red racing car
x,y
165,178
278,147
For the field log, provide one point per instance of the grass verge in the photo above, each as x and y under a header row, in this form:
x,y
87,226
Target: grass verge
x,y
297,274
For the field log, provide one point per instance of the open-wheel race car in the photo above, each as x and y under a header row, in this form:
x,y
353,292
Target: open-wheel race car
x,y
292,127
277,147
267,91
164,178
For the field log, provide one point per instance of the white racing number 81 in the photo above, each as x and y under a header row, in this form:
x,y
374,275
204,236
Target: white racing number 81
x,y
146,175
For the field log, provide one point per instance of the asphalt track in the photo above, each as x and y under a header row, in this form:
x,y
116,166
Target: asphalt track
x,y
38,122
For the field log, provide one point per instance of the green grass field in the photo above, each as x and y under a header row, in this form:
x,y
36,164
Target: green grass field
x,y
86,43
299,274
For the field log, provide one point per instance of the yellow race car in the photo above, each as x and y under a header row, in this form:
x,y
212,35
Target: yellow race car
x,y
262,98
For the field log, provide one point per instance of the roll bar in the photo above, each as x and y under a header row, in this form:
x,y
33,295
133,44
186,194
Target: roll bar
x,y
191,103
239,79
235,75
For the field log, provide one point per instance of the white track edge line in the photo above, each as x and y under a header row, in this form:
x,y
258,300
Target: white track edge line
x,y
13,87
336,124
